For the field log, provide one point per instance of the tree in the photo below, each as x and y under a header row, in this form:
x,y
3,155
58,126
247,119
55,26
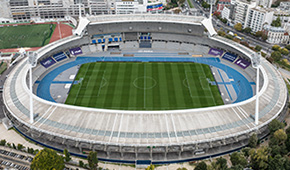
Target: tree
x,y
278,162
47,159
287,47
259,158
284,51
221,163
201,166
245,151
276,55
221,33
81,163
150,167
276,22
275,124
93,160
20,146
264,36
181,168
3,142
238,158
238,27
247,30
258,48
276,47
67,157
14,146
205,4
280,136
253,141
259,34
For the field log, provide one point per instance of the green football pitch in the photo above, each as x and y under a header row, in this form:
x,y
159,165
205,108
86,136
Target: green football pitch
x,y
25,35
144,86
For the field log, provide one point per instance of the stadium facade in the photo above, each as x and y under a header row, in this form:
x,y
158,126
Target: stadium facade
x,y
159,136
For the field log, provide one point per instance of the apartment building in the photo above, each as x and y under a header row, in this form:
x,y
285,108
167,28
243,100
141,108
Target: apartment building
x,y
241,11
258,17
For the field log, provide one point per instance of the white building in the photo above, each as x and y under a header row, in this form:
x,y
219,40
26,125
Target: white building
x,y
27,10
265,3
130,6
241,11
226,13
257,17
276,35
284,6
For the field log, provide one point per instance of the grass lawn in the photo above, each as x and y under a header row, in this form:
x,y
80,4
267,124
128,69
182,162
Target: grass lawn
x,y
144,86
190,4
25,35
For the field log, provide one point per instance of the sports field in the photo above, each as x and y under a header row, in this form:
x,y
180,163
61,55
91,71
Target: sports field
x,y
25,35
144,86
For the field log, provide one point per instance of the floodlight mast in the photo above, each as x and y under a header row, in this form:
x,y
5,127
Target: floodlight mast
x,y
32,63
256,64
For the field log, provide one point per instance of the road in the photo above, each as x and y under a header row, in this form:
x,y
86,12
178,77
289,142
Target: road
x,y
218,24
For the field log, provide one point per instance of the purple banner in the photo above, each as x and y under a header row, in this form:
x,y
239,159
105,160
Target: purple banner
x,y
76,51
230,57
242,63
47,62
215,52
59,56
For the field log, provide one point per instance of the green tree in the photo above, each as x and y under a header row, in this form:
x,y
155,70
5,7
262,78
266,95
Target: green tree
x,y
275,124
280,136
287,142
181,1
258,48
237,158
205,4
247,30
259,158
284,51
259,34
245,151
3,142
276,22
238,27
20,146
264,36
278,162
276,47
150,167
67,157
236,167
253,141
81,163
221,163
221,33
47,159
287,47
181,168
93,160
276,55
201,166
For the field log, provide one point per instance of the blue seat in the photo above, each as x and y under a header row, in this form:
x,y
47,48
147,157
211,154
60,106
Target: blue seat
x,y
94,41
149,38
120,39
104,40
145,37
110,39
99,40
141,37
116,39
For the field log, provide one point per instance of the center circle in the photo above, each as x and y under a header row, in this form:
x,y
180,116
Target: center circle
x,y
144,82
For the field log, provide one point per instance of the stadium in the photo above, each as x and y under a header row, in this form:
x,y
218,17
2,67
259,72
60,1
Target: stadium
x,y
157,87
